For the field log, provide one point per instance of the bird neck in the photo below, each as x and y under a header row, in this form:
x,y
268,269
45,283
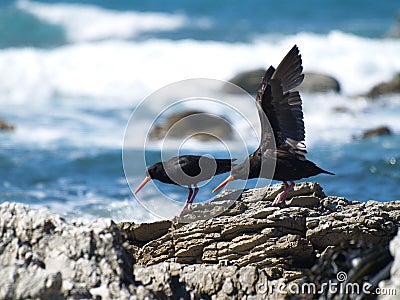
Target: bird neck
x,y
245,170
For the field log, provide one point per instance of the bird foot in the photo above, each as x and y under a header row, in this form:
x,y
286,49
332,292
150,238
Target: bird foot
x,y
281,197
190,198
186,207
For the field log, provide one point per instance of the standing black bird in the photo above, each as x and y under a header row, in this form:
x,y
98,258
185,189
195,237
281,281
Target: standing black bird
x,y
285,148
187,170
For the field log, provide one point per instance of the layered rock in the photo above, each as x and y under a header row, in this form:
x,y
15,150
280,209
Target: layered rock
x,y
275,245
245,252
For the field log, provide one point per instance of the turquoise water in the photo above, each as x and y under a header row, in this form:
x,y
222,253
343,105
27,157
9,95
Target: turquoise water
x,y
75,70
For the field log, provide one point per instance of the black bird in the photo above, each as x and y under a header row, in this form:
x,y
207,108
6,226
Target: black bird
x,y
285,148
187,170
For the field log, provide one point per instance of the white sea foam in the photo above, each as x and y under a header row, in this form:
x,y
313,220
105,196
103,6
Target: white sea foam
x,y
51,128
125,210
87,22
124,70
68,96
119,74
325,125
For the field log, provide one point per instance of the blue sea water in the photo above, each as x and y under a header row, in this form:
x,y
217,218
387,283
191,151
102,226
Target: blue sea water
x,y
73,72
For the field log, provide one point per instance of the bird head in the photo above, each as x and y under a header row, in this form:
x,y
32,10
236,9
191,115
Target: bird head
x,y
151,174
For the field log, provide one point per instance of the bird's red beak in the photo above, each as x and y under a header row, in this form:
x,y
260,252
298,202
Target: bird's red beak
x,y
224,183
146,180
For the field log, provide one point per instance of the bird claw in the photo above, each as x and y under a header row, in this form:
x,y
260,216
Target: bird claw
x,y
280,198
185,208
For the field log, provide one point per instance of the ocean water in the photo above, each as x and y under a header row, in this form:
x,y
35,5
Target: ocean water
x,y
74,71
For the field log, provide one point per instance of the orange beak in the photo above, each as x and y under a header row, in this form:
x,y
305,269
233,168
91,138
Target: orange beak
x,y
146,180
224,183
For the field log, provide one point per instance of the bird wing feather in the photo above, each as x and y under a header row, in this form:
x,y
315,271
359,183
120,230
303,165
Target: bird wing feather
x,y
282,106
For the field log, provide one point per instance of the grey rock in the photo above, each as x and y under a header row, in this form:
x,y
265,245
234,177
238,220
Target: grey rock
x,y
312,83
197,124
394,32
5,126
204,281
145,232
384,88
276,243
377,131
354,221
239,254
319,83
162,280
342,110
43,256
247,80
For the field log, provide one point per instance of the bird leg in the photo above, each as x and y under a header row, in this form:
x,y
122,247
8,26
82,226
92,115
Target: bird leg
x,y
281,197
196,190
187,203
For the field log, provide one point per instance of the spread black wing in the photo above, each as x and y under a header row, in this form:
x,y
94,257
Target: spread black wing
x,y
282,106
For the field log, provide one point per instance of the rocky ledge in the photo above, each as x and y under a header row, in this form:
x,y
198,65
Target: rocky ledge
x,y
247,252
